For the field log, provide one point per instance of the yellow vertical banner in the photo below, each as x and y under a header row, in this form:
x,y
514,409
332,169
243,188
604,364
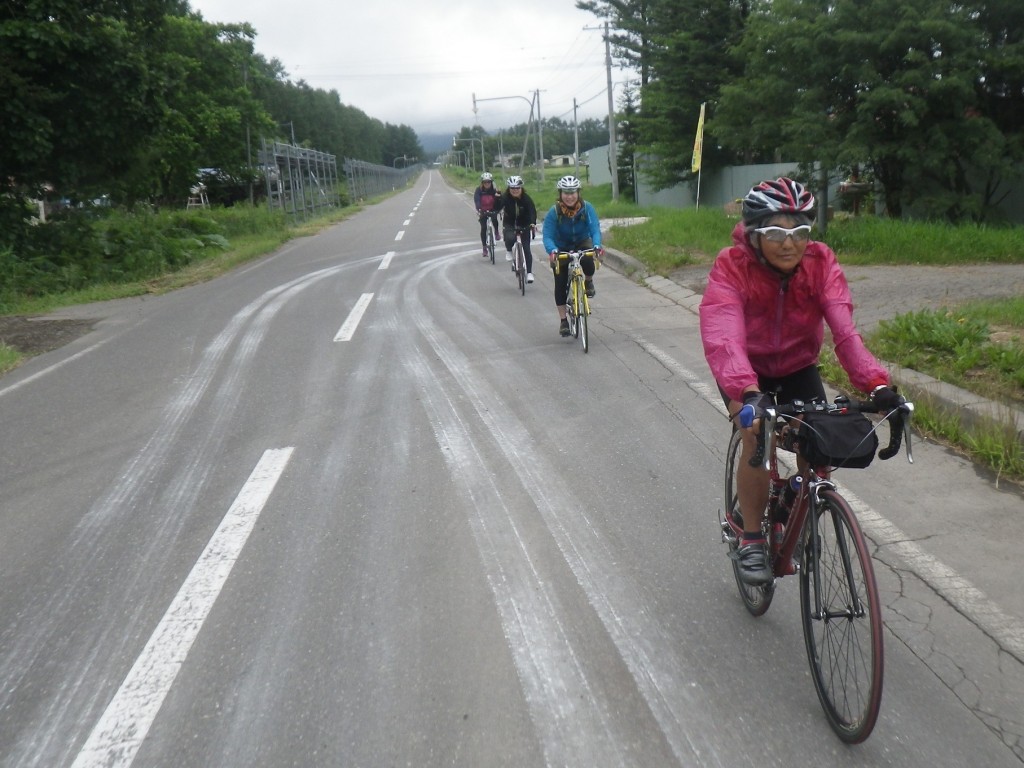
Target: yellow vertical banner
x,y
698,143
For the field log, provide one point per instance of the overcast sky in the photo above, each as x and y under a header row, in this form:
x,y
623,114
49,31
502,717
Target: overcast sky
x,y
419,63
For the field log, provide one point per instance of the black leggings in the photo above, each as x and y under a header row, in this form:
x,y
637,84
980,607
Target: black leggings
x,y
484,218
524,236
562,276
804,384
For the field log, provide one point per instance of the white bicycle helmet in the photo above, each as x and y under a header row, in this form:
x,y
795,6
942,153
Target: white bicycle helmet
x,y
514,182
485,176
568,184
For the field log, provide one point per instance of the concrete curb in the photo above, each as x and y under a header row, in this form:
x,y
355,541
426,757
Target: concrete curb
x,y
976,414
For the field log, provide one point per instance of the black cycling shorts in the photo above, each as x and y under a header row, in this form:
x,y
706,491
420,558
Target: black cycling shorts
x,y
804,384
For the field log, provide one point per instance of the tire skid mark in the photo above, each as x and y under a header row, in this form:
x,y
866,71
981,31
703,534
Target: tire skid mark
x,y
639,638
133,488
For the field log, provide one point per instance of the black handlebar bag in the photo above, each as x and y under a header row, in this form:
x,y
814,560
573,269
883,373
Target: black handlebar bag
x,y
838,440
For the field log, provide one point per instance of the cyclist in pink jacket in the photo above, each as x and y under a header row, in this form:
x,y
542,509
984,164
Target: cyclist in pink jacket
x,y
762,321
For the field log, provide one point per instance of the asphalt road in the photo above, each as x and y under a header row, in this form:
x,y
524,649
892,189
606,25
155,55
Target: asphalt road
x,y
359,504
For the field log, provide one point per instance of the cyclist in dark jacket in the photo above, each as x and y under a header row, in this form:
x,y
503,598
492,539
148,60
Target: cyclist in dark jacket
x,y
519,213
486,198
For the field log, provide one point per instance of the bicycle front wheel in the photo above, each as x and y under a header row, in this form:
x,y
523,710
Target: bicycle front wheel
x,y
842,619
572,308
581,319
490,242
519,260
756,599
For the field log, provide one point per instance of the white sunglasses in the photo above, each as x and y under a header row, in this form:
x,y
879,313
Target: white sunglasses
x,y
779,234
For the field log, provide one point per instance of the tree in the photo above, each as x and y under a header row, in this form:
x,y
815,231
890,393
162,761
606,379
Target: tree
x,y
211,115
893,88
689,57
630,30
78,96
627,135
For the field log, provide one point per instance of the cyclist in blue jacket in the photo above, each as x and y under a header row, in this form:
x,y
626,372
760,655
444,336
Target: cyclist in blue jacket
x,y
571,225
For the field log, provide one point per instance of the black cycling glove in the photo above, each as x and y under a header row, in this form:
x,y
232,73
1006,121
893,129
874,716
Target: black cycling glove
x,y
754,405
887,398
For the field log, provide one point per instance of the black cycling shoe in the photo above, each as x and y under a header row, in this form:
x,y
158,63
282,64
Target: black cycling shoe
x,y
754,565
563,328
591,291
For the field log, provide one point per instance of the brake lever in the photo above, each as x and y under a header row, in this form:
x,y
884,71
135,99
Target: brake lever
x,y
765,440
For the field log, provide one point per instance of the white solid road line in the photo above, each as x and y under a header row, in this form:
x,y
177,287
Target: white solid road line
x,y
116,738
348,328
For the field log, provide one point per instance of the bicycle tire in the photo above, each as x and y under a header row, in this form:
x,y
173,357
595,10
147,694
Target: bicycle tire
x,y
490,241
570,307
520,263
581,321
844,643
756,598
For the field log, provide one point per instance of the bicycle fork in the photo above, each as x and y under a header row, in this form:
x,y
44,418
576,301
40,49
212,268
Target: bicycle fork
x,y
854,605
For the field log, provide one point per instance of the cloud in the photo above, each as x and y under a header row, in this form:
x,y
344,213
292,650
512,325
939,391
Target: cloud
x,y
419,65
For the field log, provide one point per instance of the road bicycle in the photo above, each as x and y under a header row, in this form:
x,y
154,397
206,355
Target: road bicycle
x,y
577,305
519,260
820,539
492,231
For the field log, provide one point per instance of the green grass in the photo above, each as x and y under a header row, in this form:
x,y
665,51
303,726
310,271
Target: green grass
x,y
871,240
672,239
979,346
9,358
992,445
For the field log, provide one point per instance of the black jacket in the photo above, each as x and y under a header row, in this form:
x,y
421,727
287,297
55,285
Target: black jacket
x,y
520,213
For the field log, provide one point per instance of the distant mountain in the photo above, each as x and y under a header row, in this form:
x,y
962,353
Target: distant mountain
x,y
434,143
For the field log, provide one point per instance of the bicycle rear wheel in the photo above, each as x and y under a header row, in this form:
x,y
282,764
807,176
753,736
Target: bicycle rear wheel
x,y
842,619
756,599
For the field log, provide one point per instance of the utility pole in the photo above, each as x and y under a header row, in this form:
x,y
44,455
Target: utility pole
x,y
576,136
613,158
540,135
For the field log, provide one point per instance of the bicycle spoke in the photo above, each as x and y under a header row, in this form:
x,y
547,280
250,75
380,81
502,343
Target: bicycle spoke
x,y
842,620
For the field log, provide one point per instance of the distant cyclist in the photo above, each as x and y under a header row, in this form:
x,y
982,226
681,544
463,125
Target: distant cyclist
x,y
571,225
519,213
487,198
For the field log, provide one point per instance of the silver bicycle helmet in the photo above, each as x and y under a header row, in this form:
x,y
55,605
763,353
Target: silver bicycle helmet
x,y
568,184
782,196
514,182
485,176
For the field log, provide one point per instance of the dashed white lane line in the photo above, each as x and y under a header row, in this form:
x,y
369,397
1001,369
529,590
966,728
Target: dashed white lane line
x,y
386,261
348,328
400,235
117,737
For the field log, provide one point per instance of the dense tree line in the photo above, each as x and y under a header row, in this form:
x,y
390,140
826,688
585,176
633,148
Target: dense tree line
x,y
924,97
559,138
127,99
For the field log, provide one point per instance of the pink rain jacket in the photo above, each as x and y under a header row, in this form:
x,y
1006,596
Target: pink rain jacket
x,y
751,324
